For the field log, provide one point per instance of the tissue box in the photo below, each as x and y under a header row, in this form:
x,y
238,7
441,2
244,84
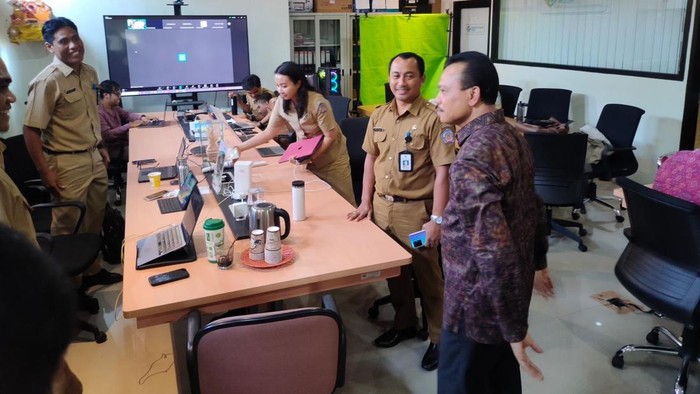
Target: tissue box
x,y
333,5
301,5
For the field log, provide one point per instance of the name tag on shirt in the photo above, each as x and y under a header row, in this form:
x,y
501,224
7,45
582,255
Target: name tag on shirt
x,y
377,129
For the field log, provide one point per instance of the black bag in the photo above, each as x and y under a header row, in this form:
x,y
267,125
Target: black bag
x,y
112,235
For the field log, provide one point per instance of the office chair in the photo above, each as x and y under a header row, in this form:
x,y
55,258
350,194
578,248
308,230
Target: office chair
x,y
618,122
340,106
560,179
354,130
545,103
509,99
660,266
117,166
75,253
293,351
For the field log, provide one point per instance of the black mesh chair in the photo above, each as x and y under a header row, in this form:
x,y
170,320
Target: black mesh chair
x,y
545,103
354,130
660,266
560,178
340,106
117,167
509,99
618,122
290,351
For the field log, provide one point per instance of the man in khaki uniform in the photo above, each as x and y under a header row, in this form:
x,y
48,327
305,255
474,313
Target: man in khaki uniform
x,y
14,212
254,110
405,189
62,132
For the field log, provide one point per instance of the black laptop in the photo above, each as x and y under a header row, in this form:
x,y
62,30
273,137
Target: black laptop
x,y
167,172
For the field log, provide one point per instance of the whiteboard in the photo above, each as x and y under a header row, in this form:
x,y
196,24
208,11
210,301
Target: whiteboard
x,y
474,30
644,36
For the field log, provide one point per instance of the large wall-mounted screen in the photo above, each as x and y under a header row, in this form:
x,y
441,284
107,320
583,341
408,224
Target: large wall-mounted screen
x,y
177,54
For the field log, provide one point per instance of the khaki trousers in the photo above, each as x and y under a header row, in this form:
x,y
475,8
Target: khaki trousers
x,y
399,220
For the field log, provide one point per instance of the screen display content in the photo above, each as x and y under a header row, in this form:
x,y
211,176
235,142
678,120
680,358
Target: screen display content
x,y
177,54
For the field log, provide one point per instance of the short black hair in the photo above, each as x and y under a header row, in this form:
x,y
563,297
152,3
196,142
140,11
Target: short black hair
x,y
410,55
251,81
37,311
264,96
478,71
108,86
53,25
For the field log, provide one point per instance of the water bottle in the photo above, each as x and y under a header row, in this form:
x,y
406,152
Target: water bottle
x,y
520,116
298,205
182,169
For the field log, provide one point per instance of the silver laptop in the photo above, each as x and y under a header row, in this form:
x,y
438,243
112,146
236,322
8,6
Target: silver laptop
x,y
219,115
156,122
154,249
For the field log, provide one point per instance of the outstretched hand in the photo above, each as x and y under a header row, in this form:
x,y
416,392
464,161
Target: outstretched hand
x,y
519,350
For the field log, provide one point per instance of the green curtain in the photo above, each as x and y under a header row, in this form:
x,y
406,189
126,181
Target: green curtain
x,y
384,36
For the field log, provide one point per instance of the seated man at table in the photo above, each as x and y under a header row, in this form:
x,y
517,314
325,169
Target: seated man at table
x,y
254,111
678,176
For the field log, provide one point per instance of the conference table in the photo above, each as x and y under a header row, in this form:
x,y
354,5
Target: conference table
x,y
329,251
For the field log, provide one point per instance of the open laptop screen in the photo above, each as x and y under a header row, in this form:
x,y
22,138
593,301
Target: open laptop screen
x,y
189,221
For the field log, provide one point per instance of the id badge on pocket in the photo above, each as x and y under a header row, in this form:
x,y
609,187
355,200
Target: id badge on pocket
x,y
405,161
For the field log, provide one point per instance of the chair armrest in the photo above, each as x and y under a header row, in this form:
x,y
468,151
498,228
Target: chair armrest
x,y
328,302
52,205
194,321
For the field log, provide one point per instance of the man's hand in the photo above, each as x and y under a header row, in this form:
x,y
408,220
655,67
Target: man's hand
x,y
50,180
105,156
524,361
543,283
135,123
432,234
363,211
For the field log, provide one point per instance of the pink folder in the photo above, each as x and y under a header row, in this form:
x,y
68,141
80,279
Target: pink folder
x,y
302,149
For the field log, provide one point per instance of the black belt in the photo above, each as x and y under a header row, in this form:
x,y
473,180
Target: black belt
x,y
73,152
392,198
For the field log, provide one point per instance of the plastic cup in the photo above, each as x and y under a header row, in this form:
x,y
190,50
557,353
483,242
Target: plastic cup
x,y
154,178
215,239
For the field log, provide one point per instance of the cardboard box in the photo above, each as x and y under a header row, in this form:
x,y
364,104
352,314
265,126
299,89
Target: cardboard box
x,y
301,6
333,5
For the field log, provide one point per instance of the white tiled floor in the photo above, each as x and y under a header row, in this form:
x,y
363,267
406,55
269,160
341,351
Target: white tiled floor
x,y
578,335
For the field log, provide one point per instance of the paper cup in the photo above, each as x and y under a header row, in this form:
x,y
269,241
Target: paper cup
x,y
154,178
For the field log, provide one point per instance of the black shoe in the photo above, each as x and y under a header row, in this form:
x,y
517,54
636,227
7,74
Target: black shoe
x,y
103,277
431,357
392,337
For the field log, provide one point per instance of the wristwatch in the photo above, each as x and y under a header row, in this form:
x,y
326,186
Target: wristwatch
x,y
437,219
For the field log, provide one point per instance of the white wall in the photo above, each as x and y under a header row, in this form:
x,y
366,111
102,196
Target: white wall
x,y
660,128
268,28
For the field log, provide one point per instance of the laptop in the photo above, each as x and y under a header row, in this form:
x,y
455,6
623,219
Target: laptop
x,y
179,203
270,151
167,172
174,244
303,149
156,122
220,115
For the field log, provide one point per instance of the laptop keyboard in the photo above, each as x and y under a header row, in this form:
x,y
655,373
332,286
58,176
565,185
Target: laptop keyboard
x,y
169,239
185,125
168,205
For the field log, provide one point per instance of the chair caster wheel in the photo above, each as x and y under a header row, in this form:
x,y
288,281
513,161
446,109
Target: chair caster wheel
x,y
373,312
619,218
653,337
582,232
582,247
422,334
618,361
100,337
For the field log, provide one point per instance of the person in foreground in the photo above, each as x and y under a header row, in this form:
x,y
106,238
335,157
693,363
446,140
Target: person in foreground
x,y
23,283
404,190
115,121
309,114
488,238
62,132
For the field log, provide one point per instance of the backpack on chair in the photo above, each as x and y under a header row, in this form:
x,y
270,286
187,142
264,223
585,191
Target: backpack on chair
x,y
112,235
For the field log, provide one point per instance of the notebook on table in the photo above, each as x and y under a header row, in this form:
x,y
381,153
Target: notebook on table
x,y
303,149
167,172
174,244
179,203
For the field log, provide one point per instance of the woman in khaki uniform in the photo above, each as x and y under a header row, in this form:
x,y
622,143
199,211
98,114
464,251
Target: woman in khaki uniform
x,y
309,114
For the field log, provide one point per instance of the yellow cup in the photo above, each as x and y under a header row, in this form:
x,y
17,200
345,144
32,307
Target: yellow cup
x,y
154,178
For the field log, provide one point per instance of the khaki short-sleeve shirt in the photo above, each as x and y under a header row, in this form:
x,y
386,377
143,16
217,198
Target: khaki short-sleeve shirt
x,y
317,119
63,105
14,209
431,144
259,111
